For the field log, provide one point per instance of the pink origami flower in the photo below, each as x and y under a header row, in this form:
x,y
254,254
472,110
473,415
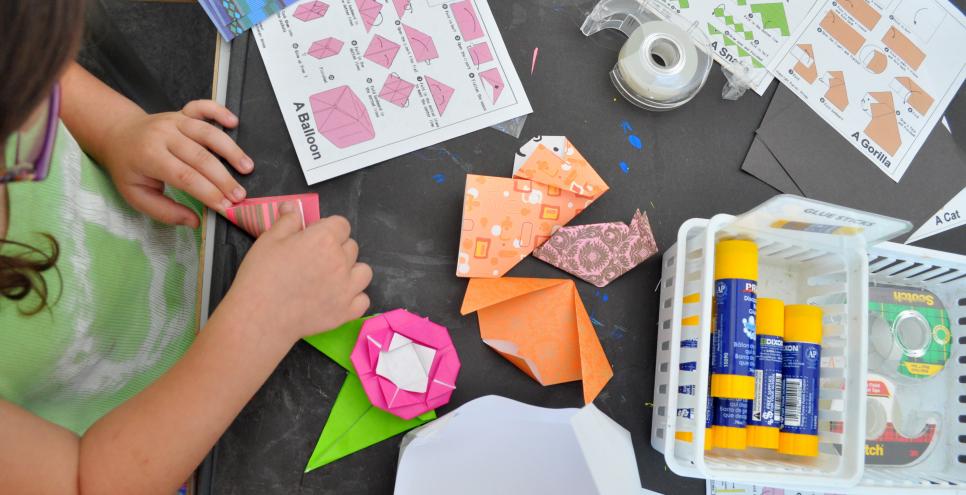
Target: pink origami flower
x,y
407,364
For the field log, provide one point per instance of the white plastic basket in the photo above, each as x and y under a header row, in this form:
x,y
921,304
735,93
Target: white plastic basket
x,y
809,252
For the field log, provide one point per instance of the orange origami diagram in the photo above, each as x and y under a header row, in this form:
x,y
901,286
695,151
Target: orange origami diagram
x,y
505,219
541,326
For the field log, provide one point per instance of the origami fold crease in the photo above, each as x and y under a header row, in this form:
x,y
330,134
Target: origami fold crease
x,y
541,326
600,252
256,215
505,219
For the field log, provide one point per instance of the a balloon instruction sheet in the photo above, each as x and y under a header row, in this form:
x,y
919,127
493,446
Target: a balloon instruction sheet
x,y
362,81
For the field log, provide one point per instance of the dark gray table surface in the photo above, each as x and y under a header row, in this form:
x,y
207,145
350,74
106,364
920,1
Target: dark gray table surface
x,y
407,226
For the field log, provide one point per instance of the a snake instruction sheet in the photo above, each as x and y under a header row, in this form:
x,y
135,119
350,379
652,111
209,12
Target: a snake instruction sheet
x,y
362,81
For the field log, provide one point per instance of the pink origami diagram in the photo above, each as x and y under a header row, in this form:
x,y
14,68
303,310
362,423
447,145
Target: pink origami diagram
x,y
396,90
480,53
467,20
382,51
369,11
311,11
402,6
441,94
493,78
256,215
341,117
601,252
325,48
422,44
407,364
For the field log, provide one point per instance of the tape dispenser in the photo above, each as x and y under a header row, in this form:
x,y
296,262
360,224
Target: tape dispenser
x,y
661,66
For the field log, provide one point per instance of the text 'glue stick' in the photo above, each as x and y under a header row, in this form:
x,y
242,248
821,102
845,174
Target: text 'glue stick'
x,y
801,360
765,415
733,338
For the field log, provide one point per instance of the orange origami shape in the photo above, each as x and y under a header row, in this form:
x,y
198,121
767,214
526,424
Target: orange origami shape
x,y
505,219
541,326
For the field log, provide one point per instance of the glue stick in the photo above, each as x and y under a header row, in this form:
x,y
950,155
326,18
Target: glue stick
x,y
801,360
733,339
728,425
765,415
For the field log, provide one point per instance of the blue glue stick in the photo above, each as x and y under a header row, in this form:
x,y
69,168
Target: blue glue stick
x,y
733,339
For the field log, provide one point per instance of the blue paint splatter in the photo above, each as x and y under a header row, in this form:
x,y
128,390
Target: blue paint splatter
x,y
624,167
605,297
439,178
635,141
626,126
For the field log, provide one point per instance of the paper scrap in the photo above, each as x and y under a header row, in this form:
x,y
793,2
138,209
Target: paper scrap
x,y
600,252
390,78
234,17
256,215
541,326
496,445
407,364
950,216
354,423
505,219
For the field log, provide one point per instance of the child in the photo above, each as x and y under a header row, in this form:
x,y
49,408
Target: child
x,y
104,387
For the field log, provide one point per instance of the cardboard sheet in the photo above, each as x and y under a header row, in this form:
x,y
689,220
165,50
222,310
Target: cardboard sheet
x,y
827,168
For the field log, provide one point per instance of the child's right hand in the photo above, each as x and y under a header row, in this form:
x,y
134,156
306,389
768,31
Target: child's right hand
x,y
294,283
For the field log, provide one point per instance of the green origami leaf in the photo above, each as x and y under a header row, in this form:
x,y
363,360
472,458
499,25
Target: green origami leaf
x,y
338,342
355,424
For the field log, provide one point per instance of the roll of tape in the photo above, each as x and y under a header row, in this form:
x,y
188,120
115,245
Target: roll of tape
x,y
659,67
909,335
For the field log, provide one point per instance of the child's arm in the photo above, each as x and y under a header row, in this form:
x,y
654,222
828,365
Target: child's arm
x,y
291,284
144,152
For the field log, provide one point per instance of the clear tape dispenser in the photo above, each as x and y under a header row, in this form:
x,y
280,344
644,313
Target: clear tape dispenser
x,y
661,65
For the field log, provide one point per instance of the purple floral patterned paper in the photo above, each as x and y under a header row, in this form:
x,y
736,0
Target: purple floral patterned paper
x,y
600,252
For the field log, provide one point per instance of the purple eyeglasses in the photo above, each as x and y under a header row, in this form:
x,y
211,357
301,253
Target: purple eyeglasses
x,y
34,146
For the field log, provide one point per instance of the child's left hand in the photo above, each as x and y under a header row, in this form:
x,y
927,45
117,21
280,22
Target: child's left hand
x,y
179,149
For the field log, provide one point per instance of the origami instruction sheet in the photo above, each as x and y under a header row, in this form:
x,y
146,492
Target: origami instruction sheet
x,y
540,325
880,72
362,81
354,423
600,252
505,219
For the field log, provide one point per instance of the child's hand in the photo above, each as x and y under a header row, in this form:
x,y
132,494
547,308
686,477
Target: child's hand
x,y
294,283
178,149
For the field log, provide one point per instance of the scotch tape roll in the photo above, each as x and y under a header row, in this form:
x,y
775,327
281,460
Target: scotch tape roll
x,y
659,67
909,336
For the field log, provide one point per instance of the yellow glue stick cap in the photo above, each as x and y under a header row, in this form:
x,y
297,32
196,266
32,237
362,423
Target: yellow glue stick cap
x,y
770,317
803,323
733,387
763,437
736,258
687,436
729,437
797,444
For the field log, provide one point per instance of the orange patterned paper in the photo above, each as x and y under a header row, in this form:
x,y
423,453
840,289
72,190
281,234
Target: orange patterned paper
x,y
505,219
541,326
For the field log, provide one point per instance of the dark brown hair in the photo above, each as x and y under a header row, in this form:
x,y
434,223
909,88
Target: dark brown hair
x,y
38,39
